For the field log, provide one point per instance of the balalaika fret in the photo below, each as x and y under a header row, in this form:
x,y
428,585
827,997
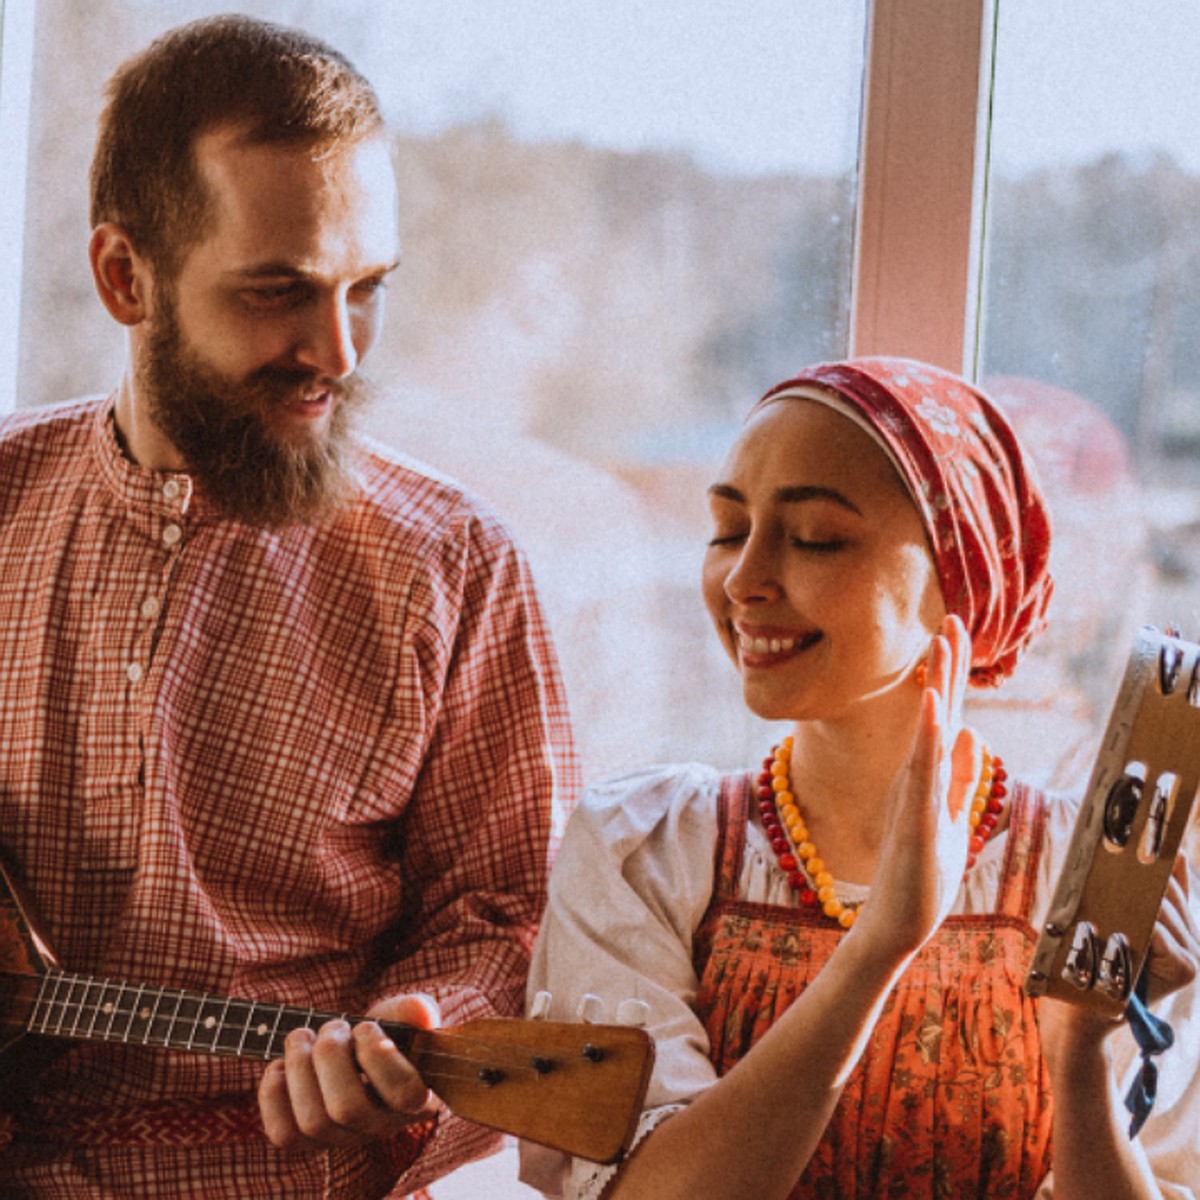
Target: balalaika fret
x,y
72,1006
576,1087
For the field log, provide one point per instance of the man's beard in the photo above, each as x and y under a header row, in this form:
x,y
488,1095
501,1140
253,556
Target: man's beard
x,y
222,430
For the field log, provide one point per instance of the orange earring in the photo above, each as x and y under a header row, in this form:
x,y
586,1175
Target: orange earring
x,y
921,674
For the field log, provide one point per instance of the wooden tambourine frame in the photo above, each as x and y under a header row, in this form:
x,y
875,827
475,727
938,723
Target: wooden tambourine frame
x,y
1134,814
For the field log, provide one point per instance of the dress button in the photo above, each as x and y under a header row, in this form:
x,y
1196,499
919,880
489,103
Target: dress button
x,y
171,489
171,535
150,607
133,672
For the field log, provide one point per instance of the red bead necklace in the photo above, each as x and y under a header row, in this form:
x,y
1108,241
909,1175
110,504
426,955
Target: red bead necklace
x,y
805,869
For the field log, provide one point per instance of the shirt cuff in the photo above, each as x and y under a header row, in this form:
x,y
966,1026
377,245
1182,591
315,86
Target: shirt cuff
x,y
588,1180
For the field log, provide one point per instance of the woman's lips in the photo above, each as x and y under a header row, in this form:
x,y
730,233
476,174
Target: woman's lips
x,y
764,647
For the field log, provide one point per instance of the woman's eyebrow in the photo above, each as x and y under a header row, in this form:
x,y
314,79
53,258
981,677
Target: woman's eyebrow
x,y
796,494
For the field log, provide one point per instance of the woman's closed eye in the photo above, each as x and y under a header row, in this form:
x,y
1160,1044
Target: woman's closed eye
x,y
820,545
726,539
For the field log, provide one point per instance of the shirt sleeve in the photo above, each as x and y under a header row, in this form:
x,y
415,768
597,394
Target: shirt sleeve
x,y
625,898
496,781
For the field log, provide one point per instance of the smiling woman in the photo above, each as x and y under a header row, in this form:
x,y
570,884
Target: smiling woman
x,y
619,219
879,543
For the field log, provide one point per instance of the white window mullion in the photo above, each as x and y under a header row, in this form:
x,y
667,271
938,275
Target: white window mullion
x,y
921,180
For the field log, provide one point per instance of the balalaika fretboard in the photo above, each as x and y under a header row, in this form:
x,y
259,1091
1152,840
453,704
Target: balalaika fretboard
x,y
75,1006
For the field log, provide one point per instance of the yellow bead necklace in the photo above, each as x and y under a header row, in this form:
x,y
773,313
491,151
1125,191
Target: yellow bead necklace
x,y
804,867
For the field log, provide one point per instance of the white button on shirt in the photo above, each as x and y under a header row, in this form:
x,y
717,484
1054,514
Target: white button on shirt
x,y
171,535
133,672
150,607
171,489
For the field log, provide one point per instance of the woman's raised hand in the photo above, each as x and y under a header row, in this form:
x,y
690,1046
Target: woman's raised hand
x,y
925,841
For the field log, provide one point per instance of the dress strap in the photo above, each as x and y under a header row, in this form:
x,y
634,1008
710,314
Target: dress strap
x,y
733,810
1026,830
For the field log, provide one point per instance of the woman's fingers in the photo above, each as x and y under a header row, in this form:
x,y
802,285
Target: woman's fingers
x,y
948,670
960,651
1174,958
966,765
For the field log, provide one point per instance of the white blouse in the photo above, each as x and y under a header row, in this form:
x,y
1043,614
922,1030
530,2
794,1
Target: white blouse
x,y
627,894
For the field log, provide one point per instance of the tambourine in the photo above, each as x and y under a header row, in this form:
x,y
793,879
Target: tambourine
x,y
1094,943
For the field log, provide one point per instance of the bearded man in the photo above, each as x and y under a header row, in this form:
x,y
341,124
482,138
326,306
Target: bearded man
x,y
279,716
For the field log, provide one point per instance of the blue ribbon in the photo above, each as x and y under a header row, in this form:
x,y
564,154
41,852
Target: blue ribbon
x,y
1153,1036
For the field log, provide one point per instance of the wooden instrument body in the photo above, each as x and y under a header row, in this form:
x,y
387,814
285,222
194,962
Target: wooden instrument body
x,y
1135,812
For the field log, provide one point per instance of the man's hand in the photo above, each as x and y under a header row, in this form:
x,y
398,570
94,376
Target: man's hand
x,y
341,1086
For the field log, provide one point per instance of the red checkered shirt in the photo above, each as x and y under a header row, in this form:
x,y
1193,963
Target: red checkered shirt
x,y
318,767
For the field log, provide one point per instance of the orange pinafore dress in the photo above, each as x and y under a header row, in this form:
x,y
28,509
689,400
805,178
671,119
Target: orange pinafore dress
x,y
951,1097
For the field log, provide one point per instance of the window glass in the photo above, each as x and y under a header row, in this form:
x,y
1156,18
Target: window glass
x,y
1092,313
621,223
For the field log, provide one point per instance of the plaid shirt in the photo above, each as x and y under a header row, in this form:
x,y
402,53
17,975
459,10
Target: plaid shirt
x,y
317,767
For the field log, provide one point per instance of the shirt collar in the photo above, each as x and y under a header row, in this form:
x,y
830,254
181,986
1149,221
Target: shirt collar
x,y
141,492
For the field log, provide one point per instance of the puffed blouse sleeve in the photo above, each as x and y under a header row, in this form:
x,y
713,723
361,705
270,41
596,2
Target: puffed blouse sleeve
x,y
631,882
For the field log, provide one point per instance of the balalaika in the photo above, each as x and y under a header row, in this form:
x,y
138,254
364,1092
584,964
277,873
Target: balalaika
x,y
576,1087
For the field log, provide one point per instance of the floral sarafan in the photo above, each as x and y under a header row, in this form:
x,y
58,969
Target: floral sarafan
x,y
983,512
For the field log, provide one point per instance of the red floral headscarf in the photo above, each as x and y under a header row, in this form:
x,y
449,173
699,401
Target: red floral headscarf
x,y
983,513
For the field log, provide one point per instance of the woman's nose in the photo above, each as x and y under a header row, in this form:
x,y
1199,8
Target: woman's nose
x,y
754,576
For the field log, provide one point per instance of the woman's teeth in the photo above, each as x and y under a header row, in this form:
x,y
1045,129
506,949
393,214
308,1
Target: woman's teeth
x,y
762,645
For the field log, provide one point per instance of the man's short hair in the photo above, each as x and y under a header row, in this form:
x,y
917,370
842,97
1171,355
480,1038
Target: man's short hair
x,y
278,85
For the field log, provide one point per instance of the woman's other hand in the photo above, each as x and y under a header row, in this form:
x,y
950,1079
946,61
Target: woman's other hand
x,y
1069,1030
925,843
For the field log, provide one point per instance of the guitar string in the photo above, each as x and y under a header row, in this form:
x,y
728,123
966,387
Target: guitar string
x,y
502,1054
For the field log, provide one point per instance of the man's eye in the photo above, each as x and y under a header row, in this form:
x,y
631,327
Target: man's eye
x,y
819,546
275,295
371,287
726,539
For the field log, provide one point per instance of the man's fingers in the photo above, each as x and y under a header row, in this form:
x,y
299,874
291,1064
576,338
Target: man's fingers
x,y
319,1067
415,1009
393,1079
278,1121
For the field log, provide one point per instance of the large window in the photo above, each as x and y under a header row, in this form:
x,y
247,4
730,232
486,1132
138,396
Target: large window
x,y
623,221
1091,326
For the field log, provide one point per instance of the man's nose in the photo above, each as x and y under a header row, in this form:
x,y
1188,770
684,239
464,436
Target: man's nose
x,y
327,342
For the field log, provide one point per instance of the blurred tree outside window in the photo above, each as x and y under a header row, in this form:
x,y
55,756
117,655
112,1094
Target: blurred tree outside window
x,y
1091,330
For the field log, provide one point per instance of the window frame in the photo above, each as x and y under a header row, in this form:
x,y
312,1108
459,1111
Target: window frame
x,y
16,83
918,262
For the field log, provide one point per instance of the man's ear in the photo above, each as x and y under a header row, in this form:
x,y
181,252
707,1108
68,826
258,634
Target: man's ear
x,y
122,276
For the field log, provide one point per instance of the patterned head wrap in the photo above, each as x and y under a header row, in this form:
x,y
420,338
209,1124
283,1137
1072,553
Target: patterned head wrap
x,y
983,513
